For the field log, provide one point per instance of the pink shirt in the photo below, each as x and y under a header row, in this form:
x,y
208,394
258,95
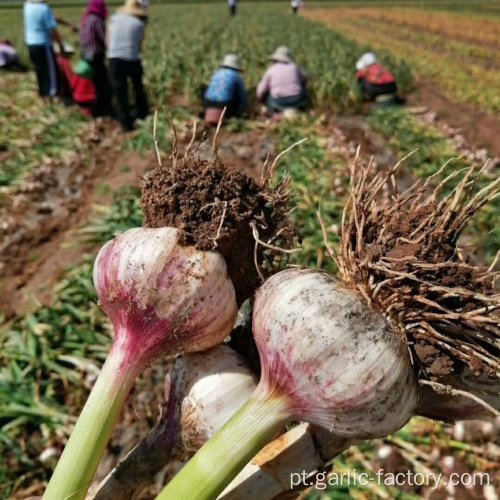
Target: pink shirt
x,y
281,80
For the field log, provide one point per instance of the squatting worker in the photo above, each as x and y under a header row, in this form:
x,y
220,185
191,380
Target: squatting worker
x,y
283,85
126,35
375,79
226,90
93,50
9,58
40,28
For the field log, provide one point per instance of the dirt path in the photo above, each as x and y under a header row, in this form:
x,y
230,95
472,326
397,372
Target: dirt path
x,y
37,240
480,129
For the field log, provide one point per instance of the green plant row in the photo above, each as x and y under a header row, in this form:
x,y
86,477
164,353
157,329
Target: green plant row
x,y
406,133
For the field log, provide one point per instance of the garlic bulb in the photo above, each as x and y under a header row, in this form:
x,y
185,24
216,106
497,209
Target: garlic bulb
x,y
339,363
327,358
202,392
211,386
162,298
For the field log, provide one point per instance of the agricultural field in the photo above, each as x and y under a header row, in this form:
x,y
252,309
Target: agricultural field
x,y
62,196
457,51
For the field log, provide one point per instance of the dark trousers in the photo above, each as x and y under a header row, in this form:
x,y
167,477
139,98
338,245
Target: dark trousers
x,y
232,9
372,90
103,96
278,104
121,71
295,10
44,61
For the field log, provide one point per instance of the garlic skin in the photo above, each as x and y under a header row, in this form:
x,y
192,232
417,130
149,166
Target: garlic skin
x,y
161,296
338,363
212,386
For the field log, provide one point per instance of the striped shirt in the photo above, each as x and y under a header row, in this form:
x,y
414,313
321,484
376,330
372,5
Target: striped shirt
x,y
92,36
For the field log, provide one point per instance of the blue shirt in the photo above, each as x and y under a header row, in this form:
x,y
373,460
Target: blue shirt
x,y
226,85
38,21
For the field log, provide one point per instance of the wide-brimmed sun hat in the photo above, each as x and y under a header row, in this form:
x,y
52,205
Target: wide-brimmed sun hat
x,y
282,54
365,60
232,61
138,8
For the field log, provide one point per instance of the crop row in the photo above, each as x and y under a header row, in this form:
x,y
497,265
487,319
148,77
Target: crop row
x,y
181,55
465,82
428,40
475,29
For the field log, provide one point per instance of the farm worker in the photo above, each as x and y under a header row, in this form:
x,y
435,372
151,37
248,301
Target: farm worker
x,y
295,6
226,90
93,51
40,28
374,79
126,34
232,7
73,88
9,58
283,84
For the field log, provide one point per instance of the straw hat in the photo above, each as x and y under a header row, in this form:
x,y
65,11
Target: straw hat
x,y
365,60
138,8
232,61
282,54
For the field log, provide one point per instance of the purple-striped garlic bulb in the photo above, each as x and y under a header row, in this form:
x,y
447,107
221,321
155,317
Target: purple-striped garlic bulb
x,y
163,298
327,358
337,362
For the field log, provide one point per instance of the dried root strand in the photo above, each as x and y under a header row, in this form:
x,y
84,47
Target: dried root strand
x,y
400,250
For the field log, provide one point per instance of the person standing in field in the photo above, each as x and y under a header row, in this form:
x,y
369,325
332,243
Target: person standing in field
x,y
375,80
283,85
232,7
295,6
40,28
93,50
226,90
126,35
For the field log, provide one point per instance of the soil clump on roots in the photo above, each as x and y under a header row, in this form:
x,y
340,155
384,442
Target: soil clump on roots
x,y
218,208
400,250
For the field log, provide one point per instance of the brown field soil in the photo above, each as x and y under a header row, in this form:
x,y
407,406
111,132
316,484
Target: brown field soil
x,y
41,217
480,129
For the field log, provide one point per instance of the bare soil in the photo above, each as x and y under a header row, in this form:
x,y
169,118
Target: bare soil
x,y
37,238
481,129
215,206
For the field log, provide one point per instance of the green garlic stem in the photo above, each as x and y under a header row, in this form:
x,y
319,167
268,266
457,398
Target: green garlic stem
x,y
80,458
218,462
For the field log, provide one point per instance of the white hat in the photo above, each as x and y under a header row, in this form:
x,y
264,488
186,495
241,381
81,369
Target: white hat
x,y
282,54
69,49
232,61
365,60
